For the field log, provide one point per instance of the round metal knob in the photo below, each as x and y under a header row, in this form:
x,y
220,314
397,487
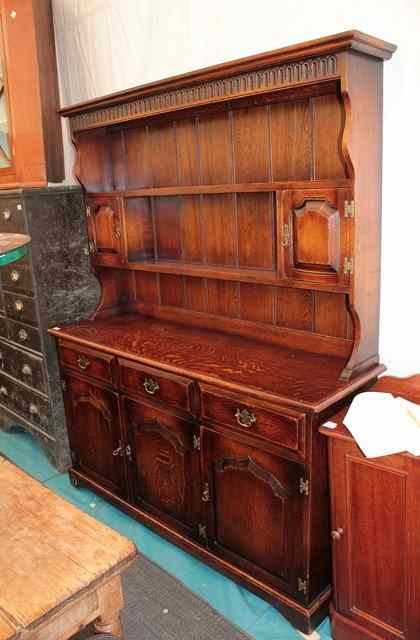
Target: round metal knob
x,y
23,335
14,275
3,391
337,534
26,370
7,214
245,418
151,386
33,409
18,305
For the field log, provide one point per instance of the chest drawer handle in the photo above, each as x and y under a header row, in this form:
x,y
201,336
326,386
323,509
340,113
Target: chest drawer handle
x,y
18,306
33,409
83,362
151,386
23,335
26,370
245,418
7,214
3,391
14,275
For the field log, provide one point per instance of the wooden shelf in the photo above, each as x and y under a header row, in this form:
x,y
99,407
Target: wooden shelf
x,y
258,276
247,187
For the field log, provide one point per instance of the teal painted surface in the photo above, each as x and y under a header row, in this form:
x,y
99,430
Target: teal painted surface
x,y
13,256
250,613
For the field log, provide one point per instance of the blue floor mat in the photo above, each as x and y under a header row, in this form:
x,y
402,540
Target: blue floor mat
x,y
250,613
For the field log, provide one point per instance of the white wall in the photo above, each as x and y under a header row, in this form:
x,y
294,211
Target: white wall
x,y
108,45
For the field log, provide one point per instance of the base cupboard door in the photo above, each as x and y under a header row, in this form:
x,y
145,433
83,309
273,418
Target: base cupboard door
x,y
95,433
255,511
163,465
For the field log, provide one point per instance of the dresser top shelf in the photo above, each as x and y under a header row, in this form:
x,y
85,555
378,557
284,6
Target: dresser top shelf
x,y
296,378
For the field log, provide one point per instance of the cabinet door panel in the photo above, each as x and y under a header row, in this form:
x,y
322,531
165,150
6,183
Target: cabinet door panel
x,y
369,512
95,433
315,236
104,228
164,470
255,511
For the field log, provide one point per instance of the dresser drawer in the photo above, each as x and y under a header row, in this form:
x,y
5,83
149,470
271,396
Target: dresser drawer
x,y
156,384
3,327
25,402
285,428
20,307
30,369
91,363
24,335
12,216
17,276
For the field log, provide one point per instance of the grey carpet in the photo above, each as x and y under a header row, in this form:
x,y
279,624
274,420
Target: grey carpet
x,y
159,607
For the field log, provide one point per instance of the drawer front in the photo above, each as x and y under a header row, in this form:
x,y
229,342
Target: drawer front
x,y
24,366
155,384
91,363
20,307
286,429
12,216
17,276
25,402
3,327
24,335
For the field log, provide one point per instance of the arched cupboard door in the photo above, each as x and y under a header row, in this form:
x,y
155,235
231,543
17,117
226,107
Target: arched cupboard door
x,y
255,510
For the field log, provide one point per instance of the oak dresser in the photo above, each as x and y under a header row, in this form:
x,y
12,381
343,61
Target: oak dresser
x,y
234,224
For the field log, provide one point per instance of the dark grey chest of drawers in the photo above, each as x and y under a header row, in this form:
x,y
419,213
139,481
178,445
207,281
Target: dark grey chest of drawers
x,y
52,285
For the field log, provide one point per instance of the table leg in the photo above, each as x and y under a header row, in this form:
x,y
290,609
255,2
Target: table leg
x,y
111,602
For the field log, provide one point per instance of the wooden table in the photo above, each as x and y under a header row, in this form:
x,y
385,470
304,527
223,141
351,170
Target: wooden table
x,y
59,568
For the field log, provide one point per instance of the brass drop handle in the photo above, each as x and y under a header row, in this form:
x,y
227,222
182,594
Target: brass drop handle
x,y
151,386
119,451
337,534
7,214
23,335
27,370
19,305
14,275
83,362
245,418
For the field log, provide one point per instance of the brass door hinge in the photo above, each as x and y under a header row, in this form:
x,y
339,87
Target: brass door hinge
x,y
349,209
205,496
304,487
286,235
348,265
91,246
303,586
88,211
202,531
196,442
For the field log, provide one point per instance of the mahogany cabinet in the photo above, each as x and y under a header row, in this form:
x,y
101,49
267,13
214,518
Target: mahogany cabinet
x,y
233,214
375,522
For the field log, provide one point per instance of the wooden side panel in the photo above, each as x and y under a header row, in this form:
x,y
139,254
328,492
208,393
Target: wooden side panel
x,y
167,226
219,229
291,140
138,167
327,133
187,152
251,144
256,230
331,317
162,154
215,144
95,164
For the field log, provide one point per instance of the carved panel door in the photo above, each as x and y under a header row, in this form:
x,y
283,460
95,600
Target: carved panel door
x,y
95,433
256,514
163,465
316,236
104,228
375,524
